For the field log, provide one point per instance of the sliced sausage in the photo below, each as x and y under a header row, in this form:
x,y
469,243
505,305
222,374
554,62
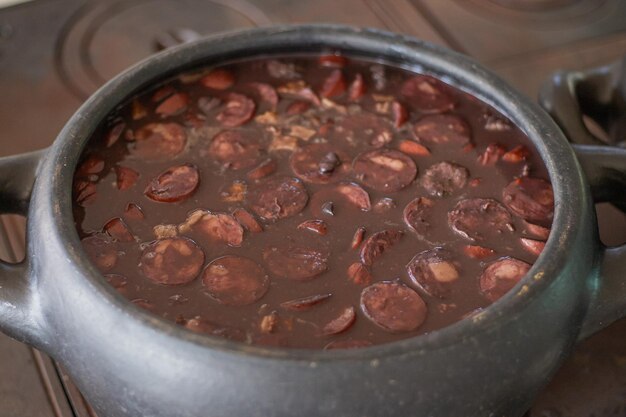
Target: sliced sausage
x,y
357,88
478,252
278,198
399,114
384,170
534,247
173,105
501,276
266,168
174,184
341,323
478,218
85,193
375,245
319,163
218,79
417,215
434,271
316,226
267,93
355,194
236,149
133,212
413,148
492,154
118,230
101,250
444,178
334,84
114,134
347,344
172,261
443,129
126,177
295,263
359,274
93,165
235,280
393,306
427,94
159,141
357,238
247,220
530,198
219,227
237,111
305,303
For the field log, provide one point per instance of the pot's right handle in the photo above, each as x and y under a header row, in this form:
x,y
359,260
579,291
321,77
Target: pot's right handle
x,y
18,298
599,93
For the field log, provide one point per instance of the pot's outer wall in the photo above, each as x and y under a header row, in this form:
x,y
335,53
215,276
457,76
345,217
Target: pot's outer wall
x,y
128,363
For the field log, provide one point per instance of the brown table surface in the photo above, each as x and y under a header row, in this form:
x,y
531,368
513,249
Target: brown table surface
x,y
54,53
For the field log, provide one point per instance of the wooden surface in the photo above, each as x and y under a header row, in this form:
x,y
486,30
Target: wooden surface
x,y
44,78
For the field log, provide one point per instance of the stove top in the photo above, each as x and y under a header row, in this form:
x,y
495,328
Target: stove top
x,y
55,53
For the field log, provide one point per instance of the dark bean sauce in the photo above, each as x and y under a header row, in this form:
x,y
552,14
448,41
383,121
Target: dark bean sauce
x,y
311,202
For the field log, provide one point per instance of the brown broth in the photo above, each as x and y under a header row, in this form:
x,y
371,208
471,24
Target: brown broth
x,y
345,124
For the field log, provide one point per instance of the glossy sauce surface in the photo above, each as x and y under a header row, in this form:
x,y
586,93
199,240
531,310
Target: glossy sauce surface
x,y
311,202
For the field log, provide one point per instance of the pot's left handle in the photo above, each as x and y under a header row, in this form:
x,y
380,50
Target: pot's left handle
x,y
19,316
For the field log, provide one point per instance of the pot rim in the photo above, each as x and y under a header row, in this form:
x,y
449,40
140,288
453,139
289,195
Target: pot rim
x,y
570,189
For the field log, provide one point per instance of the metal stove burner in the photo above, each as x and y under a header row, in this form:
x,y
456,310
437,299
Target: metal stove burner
x,y
542,12
102,39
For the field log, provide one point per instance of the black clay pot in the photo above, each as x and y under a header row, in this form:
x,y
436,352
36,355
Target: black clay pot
x,y
130,363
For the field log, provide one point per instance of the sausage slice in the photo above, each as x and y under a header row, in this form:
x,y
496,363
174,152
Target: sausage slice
x,y
433,271
501,276
385,170
478,218
295,263
278,198
174,184
530,198
393,306
235,280
172,261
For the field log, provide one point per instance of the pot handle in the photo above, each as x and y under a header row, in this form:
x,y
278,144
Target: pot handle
x,y
18,299
599,94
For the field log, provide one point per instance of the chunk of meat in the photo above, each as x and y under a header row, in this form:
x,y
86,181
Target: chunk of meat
x,y
444,178
172,261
